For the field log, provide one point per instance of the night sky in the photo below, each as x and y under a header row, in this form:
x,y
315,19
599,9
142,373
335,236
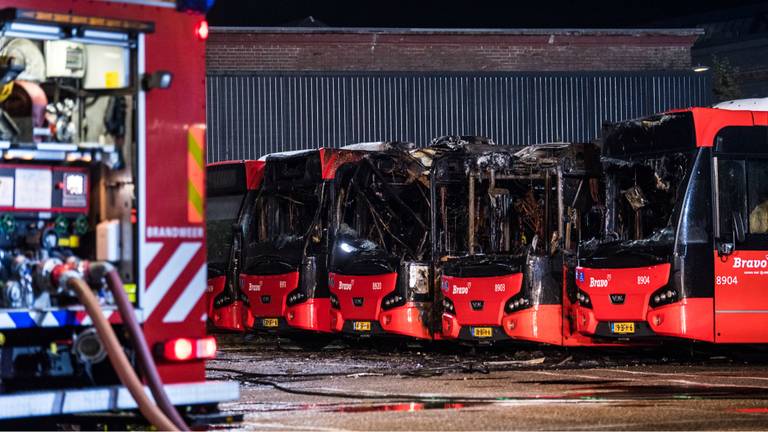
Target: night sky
x,y
464,14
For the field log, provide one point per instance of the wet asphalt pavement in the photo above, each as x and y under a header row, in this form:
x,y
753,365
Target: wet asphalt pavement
x,y
395,386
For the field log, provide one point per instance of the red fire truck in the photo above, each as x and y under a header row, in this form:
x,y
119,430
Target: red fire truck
x,y
232,188
102,181
683,253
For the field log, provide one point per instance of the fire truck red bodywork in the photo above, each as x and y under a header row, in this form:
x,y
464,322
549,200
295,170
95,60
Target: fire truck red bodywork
x,y
170,246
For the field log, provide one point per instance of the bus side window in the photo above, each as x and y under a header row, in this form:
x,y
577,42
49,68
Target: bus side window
x,y
731,194
742,186
757,177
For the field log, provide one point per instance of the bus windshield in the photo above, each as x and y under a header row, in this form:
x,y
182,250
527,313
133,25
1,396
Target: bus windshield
x,y
284,217
647,165
482,210
642,196
221,215
381,212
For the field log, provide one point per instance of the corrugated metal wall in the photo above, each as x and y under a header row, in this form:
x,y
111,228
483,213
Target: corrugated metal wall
x,y
250,115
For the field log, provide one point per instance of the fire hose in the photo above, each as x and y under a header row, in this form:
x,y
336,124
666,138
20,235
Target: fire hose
x,y
162,415
146,363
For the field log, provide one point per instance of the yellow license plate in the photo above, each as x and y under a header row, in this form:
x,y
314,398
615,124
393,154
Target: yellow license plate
x,y
361,325
482,332
623,327
269,322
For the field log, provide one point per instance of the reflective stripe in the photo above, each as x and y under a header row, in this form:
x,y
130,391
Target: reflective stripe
x,y
6,321
157,3
52,318
195,173
171,271
70,401
189,298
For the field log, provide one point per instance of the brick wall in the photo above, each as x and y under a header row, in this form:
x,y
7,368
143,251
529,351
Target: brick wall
x,y
393,50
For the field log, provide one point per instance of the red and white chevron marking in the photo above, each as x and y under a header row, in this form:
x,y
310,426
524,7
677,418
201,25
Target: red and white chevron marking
x,y
164,264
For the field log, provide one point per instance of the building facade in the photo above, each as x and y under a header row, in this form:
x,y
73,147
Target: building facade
x,y
293,88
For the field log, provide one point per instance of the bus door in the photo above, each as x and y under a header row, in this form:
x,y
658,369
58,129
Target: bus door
x,y
741,230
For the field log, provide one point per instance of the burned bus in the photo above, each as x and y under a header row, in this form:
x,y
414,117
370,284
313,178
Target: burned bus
x,y
379,266
507,221
554,191
232,187
287,241
285,272
477,250
683,252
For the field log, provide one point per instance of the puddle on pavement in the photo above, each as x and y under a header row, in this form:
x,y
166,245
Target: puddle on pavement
x,y
619,395
752,410
611,393
404,407
644,392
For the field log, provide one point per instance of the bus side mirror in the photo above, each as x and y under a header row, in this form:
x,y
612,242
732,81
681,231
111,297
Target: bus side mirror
x,y
739,228
724,249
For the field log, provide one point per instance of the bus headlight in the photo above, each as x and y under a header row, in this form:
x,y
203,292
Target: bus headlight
x,y
418,278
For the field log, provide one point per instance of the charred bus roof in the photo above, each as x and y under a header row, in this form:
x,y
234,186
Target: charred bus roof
x,y
233,177
576,159
673,131
296,168
306,167
456,156
663,133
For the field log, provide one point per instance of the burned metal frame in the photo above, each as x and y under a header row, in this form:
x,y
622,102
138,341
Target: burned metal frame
x,y
366,183
466,160
283,177
647,165
547,191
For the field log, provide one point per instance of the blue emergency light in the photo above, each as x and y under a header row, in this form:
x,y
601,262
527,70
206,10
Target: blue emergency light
x,y
195,5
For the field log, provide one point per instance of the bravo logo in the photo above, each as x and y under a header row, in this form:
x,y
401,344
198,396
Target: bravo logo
x,y
750,263
255,287
346,286
462,289
599,283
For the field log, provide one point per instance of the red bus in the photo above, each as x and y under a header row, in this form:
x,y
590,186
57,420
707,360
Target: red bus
x,y
284,269
553,193
477,254
379,257
684,243
232,188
